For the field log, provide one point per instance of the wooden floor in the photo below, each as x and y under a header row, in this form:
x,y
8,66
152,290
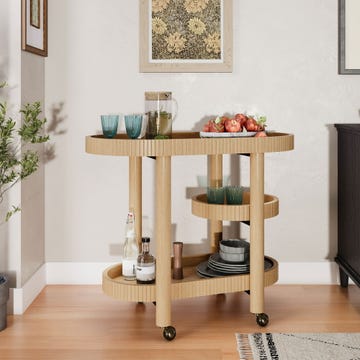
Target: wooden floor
x,y
80,322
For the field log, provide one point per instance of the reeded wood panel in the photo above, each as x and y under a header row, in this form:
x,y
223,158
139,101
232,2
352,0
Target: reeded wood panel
x,y
192,285
187,143
116,286
348,203
201,208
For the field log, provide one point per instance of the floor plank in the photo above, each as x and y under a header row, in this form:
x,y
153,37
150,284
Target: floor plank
x,y
80,322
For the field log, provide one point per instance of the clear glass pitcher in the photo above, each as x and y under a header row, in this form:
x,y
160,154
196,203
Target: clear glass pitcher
x,y
161,110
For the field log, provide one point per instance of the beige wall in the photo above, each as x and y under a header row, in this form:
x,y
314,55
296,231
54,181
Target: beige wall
x,y
22,241
10,70
285,65
32,188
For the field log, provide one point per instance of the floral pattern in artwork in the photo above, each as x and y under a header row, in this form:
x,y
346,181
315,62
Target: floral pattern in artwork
x,y
186,29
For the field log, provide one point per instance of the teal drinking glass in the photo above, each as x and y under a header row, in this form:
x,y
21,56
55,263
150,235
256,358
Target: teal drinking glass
x,y
216,195
234,195
133,125
109,125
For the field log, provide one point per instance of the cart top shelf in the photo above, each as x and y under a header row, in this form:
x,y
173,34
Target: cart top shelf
x,y
187,143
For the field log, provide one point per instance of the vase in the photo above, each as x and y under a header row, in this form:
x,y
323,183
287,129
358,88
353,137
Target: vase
x,y
4,297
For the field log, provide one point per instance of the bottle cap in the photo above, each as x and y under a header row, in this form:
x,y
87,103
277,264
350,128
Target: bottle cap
x,y
145,239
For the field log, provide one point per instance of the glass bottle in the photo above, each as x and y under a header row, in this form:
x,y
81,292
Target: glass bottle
x,y
131,249
145,269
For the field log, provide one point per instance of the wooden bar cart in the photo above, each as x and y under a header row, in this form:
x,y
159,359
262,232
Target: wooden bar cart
x,y
256,207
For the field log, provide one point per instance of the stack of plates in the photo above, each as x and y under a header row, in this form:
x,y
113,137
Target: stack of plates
x,y
216,266
217,263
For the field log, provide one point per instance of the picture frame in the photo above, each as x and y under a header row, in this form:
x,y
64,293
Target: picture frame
x,y
349,34
189,41
34,26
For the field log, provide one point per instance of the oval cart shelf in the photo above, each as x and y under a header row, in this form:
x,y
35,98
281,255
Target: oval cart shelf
x,y
115,286
201,208
256,207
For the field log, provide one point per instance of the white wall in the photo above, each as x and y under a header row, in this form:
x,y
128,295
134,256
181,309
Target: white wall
x,y
33,188
22,238
285,65
10,71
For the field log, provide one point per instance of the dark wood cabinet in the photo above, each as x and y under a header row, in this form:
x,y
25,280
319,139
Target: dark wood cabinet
x,y
348,255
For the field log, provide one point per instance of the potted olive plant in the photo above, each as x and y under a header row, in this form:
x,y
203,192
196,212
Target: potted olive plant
x,y
17,162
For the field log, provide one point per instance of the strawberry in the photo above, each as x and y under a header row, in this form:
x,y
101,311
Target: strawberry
x,y
206,127
261,134
241,118
216,125
232,125
251,124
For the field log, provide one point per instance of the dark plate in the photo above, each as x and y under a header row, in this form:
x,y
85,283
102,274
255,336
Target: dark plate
x,y
216,259
203,270
242,270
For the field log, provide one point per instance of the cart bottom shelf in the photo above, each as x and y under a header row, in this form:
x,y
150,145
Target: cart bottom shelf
x,y
192,285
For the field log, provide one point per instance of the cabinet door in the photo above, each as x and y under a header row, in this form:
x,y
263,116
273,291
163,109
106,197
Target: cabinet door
x,y
349,196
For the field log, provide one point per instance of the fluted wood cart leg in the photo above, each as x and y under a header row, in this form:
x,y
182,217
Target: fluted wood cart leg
x,y
215,175
257,233
135,193
163,241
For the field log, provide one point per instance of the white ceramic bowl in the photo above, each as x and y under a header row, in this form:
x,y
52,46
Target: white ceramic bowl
x,y
233,257
235,246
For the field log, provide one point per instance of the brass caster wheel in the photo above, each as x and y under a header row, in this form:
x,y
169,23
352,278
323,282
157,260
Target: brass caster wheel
x,y
262,319
169,333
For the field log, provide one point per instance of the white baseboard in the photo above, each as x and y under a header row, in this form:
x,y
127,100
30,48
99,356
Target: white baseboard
x,y
70,273
23,297
75,273
325,272
319,273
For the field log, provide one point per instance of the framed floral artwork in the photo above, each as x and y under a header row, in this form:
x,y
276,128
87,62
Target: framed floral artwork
x,y
185,36
34,26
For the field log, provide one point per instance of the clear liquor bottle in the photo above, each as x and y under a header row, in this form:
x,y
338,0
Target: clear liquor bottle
x,y
145,269
131,249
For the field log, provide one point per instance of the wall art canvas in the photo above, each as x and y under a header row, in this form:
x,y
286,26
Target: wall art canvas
x,y
349,37
34,26
186,35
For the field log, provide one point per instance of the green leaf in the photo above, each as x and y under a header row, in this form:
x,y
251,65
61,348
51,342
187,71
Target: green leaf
x,y
218,120
10,213
32,126
15,164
